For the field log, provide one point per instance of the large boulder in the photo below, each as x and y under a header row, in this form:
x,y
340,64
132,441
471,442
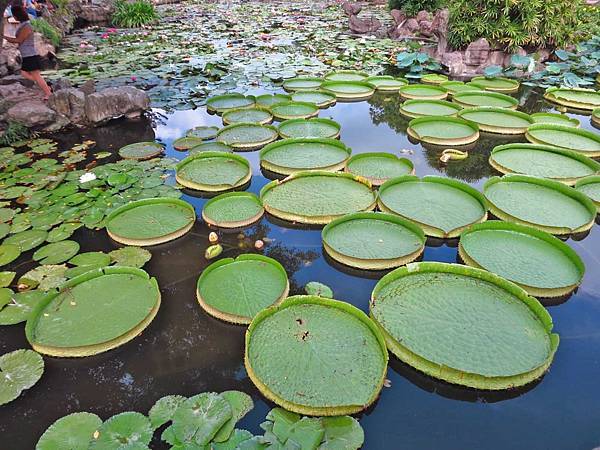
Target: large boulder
x,y
454,62
398,15
351,8
32,114
69,102
96,12
111,103
477,52
363,26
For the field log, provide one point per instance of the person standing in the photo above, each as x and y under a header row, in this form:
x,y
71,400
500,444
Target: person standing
x,y
31,62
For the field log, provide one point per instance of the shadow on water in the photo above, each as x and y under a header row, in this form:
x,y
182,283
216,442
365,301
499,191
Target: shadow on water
x,y
185,351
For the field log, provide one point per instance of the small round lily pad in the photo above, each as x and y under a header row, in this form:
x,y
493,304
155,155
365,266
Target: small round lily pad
x,y
379,167
294,110
26,240
19,370
223,103
248,115
236,290
232,210
8,253
309,128
213,171
443,130
127,430
247,136
141,150
423,92
56,253
320,98
72,432
203,132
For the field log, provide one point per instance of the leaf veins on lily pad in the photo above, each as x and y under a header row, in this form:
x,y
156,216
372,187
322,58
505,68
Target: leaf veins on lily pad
x,y
125,431
19,370
164,409
72,432
130,256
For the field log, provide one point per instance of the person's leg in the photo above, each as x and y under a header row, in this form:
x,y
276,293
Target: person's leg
x,y
37,77
26,75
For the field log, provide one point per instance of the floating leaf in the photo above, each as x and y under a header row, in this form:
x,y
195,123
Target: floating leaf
x,y
19,370
199,418
19,307
164,409
91,259
72,432
130,256
320,289
6,278
45,277
241,403
56,253
125,431
342,433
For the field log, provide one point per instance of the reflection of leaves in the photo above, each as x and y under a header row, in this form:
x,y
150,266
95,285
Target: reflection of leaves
x,y
384,109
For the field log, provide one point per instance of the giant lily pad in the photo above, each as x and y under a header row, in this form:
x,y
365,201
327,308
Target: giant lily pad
x,y
141,150
463,325
19,370
268,100
311,128
202,132
441,206
387,83
557,119
187,142
378,167
293,155
497,120
537,261
56,253
320,98
421,108
423,92
213,171
349,90
317,197
590,186
596,117
329,358
128,430
453,87
72,432
294,110
236,290
544,204
443,130
223,103
210,147
578,98
434,78
150,221
497,84
302,84
470,99
233,210
346,75
248,115
94,312
583,141
373,241
543,161
247,136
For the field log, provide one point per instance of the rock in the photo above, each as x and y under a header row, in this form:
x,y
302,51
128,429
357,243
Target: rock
x,y
111,103
96,12
477,52
543,55
454,62
425,28
363,26
70,103
398,16
89,87
351,8
495,58
411,25
423,15
11,79
439,28
32,114
16,92
44,48
61,83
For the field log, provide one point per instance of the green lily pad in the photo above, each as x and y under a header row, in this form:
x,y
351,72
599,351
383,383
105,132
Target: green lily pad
x,y
309,128
511,344
232,210
164,409
236,290
497,120
8,253
294,110
210,147
422,108
141,150
454,87
422,92
302,84
199,418
434,78
268,100
213,171
26,240
94,312
342,433
589,186
378,167
19,307
203,132
46,277
125,431
585,99
56,253
238,437
294,155
387,83
373,241
319,342
6,214
470,99
318,289
294,198
247,136
62,232
247,115
6,296
151,221
72,432
130,257
187,142
320,98
582,141
95,258
497,84
4,230
19,370
240,403
346,75
537,261
557,119
543,204
441,206
6,278
349,90
223,103
443,130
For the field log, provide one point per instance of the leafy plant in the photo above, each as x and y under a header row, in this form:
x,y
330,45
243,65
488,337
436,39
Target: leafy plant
x,y
47,30
133,14
412,7
14,132
510,24
416,63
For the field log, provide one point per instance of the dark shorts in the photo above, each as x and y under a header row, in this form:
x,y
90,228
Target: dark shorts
x,y
31,63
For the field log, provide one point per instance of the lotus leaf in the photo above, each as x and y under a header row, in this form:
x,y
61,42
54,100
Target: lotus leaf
x,y
463,325
164,409
537,261
443,130
317,197
233,210
248,115
213,171
497,120
151,221
558,119
129,256
72,432
319,342
240,403
583,141
19,370
19,307
497,84
442,207
125,431
94,312
293,155
187,142
26,240
471,99
294,110
378,167
199,418
544,204
318,289
236,290
203,132
349,90
423,92
56,253
309,128
141,150
247,136
320,98
223,103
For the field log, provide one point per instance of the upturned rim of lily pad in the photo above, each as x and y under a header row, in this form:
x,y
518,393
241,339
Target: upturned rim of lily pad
x,y
592,179
465,87
551,96
213,187
538,117
227,120
569,181
100,347
497,128
440,140
248,145
460,98
288,85
367,90
373,263
595,117
331,123
378,181
565,129
413,115
437,92
156,240
314,110
386,87
237,224
487,84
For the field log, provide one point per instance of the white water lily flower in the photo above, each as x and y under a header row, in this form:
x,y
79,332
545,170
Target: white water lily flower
x,y
88,176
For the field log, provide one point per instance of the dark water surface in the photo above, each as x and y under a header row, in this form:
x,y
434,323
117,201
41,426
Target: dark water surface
x,y
185,351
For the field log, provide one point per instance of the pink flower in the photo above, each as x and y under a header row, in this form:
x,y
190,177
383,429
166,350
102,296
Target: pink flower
x,y
133,78
112,30
104,36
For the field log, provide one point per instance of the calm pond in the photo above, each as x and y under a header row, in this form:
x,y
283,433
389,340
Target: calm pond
x,y
185,351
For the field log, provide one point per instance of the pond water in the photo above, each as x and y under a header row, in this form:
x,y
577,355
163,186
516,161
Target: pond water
x,y
185,351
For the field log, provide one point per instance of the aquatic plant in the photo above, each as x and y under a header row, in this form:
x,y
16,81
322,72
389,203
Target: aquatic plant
x,y
133,14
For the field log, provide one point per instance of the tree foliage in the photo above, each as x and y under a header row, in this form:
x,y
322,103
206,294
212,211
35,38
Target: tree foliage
x,y
412,7
133,14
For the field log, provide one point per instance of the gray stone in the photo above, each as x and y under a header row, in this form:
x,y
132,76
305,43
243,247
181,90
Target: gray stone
x,y
111,103
89,87
32,114
363,26
398,15
61,83
69,103
477,52
454,62
351,8
10,79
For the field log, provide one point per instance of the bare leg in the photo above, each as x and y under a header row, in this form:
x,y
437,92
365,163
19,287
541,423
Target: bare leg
x,y
27,75
36,76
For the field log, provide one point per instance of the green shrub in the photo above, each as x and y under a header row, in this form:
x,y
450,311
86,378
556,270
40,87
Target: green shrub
x,y
14,132
412,7
511,24
133,14
48,31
